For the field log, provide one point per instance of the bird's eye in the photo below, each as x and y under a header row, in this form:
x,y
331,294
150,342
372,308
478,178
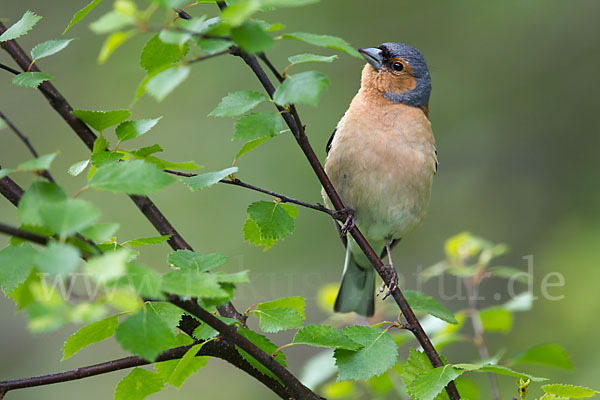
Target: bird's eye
x,y
397,66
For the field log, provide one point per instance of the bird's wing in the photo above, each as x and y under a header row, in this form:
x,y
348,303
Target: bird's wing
x,y
329,141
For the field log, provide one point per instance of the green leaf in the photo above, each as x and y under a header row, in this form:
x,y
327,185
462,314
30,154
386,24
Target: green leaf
x,y
145,334
39,194
100,120
546,354
143,281
429,384
90,334
377,355
510,273
31,79
238,103
309,57
171,165
325,336
108,266
78,167
570,391
49,48
302,88
236,14
331,42
105,157
212,46
208,179
186,366
157,54
131,177
250,146
294,302
148,150
166,81
138,384
131,129
192,261
79,15
112,43
252,235
236,277
265,345
111,21
40,163
15,265
58,259
145,241
424,302
498,369
258,125
274,222
69,216
100,232
495,319
251,37
100,144
21,27
278,319
169,313
192,284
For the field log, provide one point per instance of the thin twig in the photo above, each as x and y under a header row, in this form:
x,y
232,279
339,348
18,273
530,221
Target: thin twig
x,y
206,57
20,233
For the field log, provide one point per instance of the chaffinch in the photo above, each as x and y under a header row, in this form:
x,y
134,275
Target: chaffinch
x,y
381,159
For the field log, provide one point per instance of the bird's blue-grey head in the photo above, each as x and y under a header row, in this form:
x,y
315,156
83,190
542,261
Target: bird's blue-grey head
x,y
407,64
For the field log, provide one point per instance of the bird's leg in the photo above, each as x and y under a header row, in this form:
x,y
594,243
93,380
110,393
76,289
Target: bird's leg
x,y
347,215
390,273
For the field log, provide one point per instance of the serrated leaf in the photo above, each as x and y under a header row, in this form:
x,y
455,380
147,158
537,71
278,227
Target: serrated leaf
x,y
331,42
309,57
79,15
31,79
302,88
569,391
100,144
49,48
429,384
192,284
325,336
192,261
148,150
21,27
142,281
108,266
238,103
112,43
16,262
90,334
162,164
58,259
166,81
295,302
157,53
78,167
258,125
149,240
495,319
273,221
187,365
100,120
202,181
138,384
40,163
39,194
145,334
100,232
498,369
169,313
131,129
546,354
265,345
131,177
424,302
377,355
69,216
251,37
278,319
250,146
236,277
105,157
252,235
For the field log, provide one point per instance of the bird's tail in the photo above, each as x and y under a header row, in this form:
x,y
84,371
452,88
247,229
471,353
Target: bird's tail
x,y
357,290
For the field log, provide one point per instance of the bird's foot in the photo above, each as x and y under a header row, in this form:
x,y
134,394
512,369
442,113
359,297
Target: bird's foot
x,y
347,215
392,276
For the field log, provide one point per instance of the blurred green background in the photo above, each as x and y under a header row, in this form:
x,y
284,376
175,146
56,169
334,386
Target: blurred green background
x,y
514,109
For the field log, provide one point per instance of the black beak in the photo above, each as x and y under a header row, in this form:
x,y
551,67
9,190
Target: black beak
x,y
373,57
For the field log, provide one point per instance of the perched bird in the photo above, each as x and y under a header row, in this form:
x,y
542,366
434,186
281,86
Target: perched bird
x,y
381,160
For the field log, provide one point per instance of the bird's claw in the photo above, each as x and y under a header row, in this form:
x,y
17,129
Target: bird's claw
x,y
349,220
391,275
